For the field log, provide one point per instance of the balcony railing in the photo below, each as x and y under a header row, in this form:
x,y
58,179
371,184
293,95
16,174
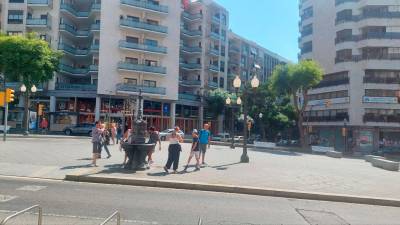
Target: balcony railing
x,y
190,82
36,22
215,35
73,70
191,49
337,118
142,47
189,16
189,97
213,67
70,29
191,33
332,83
234,49
367,15
146,5
214,52
216,19
382,80
369,36
339,2
72,50
123,87
190,66
143,26
142,68
39,2
212,84
70,9
357,58
76,87
95,27
381,118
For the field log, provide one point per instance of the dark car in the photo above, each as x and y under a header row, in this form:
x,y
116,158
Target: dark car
x,y
80,129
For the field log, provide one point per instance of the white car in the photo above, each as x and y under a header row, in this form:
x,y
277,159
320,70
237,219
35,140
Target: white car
x,y
2,129
164,134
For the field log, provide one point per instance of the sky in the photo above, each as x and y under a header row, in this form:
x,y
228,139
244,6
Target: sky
x,y
273,24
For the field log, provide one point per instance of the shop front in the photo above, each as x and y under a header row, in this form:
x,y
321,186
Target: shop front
x,y
187,118
389,141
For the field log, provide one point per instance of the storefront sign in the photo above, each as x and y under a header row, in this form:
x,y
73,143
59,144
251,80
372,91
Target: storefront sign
x,y
386,100
332,101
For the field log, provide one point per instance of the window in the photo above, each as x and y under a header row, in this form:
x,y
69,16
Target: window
x,y
131,60
150,62
16,1
130,81
307,47
222,66
153,22
15,16
151,42
133,18
307,13
149,83
130,39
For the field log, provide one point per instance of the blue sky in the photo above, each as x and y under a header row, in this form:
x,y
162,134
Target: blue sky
x,y
276,29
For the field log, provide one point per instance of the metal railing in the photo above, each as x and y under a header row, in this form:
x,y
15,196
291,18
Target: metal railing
x,y
143,26
115,214
3,222
200,222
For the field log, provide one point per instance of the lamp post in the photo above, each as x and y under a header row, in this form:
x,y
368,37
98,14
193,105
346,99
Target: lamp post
x,y
25,91
237,83
229,102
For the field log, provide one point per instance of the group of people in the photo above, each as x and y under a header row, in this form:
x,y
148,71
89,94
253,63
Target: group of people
x,y
200,143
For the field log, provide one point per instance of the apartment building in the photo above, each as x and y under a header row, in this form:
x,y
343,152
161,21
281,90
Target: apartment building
x,y
173,52
244,55
356,42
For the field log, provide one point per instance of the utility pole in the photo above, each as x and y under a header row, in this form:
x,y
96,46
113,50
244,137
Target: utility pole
x,y
5,109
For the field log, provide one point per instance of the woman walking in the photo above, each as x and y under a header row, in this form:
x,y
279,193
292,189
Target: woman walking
x,y
195,151
113,133
105,141
174,151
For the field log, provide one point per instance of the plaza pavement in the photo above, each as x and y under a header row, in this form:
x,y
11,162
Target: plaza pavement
x,y
273,169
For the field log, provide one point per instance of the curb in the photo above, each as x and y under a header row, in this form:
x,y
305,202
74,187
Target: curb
x,y
238,190
47,137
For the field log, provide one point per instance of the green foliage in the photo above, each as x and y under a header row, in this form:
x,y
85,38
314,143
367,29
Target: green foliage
x,y
27,59
216,101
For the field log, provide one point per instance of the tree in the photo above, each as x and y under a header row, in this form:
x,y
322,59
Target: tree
x,y
29,60
296,80
216,101
277,114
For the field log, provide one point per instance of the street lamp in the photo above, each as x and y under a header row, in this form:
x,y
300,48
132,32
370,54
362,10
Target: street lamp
x,y
24,90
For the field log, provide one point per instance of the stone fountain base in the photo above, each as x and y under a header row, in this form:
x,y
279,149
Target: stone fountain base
x,y
137,156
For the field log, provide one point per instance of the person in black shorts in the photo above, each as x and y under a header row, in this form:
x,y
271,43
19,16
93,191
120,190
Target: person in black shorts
x,y
195,151
153,139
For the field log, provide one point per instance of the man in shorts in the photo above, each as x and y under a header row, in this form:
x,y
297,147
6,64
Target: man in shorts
x,y
204,140
195,151
96,141
154,138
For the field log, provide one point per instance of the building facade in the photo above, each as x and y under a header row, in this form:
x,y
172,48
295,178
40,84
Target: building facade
x,y
356,106
171,51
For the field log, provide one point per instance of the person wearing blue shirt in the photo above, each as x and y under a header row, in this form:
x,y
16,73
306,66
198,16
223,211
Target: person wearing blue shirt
x,y
204,140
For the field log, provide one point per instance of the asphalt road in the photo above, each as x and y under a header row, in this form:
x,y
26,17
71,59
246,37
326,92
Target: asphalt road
x,y
82,203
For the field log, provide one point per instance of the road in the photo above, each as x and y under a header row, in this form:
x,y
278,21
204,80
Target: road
x,y
82,203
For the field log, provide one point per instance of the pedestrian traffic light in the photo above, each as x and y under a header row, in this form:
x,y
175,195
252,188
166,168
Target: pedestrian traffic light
x,y
9,95
2,99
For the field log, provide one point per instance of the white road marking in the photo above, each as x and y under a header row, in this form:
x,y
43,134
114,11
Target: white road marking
x,y
31,188
6,198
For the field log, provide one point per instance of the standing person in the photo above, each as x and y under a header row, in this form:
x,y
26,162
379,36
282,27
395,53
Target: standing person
x,y
119,132
174,150
96,141
113,133
126,137
153,139
105,141
195,151
44,125
204,139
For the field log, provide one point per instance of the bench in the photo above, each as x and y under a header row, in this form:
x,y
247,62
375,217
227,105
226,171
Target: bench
x,y
368,158
385,164
334,154
321,149
258,144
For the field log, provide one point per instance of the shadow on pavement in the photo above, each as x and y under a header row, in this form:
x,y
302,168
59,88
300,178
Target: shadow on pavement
x,y
158,174
225,166
276,152
76,167
85,159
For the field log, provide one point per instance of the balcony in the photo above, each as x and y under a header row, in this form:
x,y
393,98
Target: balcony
x,y
368,15
369,36
190,82
145,5
213,68
142,68
131,88
234,49
381,118
331,83
95,48
143,26
190,66
189,97
189,49
77,33
212,84
215,36
36,22
339,2
358,58
73,71
73,51
68,8
76,87
142,47
95,27
192,17
337,118
39,3
191,33
96,7
382,80
214,52
216,20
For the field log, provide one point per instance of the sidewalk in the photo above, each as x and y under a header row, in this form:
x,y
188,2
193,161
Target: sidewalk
x,y
268,169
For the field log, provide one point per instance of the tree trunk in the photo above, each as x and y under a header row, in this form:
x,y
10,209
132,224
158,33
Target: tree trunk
x,y
303,142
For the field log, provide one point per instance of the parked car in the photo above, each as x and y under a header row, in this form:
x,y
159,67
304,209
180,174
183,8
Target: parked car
x,y
165,133
80,129
238,138
224,137
2,129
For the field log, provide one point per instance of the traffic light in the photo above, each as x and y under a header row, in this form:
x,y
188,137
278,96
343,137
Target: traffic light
x,y
9,95
2,99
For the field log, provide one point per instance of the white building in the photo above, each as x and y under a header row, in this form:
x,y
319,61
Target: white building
x,y
357,43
